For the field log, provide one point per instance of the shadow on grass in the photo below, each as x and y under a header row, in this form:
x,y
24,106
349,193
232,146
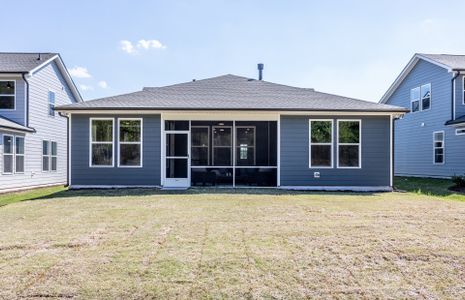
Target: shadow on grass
x,y
426,186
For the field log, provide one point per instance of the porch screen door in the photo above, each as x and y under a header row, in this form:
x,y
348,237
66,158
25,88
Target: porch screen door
x,y
177,162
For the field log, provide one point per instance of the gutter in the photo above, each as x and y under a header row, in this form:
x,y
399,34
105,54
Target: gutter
x,y
26,121
453,94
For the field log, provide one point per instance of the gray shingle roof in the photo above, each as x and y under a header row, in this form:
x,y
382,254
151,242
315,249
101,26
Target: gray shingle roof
x,y
22,62
230,92
8,124
456,62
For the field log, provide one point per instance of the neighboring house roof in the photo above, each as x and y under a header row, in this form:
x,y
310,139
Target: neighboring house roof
x,y
29,63
230,92
450,62
10,125
457,121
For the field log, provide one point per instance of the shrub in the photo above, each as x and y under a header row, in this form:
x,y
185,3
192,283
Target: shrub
x,y
459,180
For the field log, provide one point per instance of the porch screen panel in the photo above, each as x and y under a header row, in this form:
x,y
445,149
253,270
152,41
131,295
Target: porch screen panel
x,y
222,146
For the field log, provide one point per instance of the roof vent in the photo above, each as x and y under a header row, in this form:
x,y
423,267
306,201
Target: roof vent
x,y
39,57
260,71
193,80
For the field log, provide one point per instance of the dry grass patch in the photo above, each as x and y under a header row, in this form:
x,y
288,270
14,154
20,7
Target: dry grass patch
x,y
208,245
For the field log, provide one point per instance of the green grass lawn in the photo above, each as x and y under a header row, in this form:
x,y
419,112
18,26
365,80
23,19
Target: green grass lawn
x,y
136,244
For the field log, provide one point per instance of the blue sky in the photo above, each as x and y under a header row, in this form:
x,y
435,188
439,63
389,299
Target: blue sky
x,y
352,48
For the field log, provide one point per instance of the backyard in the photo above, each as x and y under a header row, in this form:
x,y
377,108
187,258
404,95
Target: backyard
x,y
260,243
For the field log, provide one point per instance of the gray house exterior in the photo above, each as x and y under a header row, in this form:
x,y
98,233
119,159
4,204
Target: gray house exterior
x,y
231,131
429,140
33,136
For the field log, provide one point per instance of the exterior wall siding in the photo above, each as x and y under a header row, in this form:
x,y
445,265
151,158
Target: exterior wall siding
x,y
47,128
84,175
375,164
18,114
413,140
459,101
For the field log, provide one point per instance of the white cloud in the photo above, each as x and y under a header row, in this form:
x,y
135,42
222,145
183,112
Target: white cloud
x,y
86,87
142,45
103,84
127,47
79,72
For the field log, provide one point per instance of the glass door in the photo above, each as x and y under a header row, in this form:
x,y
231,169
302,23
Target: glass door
x,y
177,163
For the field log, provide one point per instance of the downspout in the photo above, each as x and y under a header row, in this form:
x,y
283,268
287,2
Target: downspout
x,y
453,95
26,121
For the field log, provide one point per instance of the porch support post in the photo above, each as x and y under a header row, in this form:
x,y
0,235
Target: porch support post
x,y
234,153
278,152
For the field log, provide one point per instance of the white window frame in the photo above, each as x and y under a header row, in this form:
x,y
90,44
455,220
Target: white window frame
x,y
254,145
12,154
208,142
231,147
20,155
414,100
430,97
140,143
443,147
54,104
320,144
359,144
46,155
112,143
53,156
460,131
14,101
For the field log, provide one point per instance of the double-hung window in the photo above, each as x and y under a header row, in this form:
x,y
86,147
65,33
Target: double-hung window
x,y
349,143
7,94
321,144
53,156
101,142
19,154
420,98
415,99
45,156
438,147
425,96
51,103
130,142
8,154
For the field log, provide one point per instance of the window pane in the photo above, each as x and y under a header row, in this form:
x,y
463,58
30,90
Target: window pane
x,y
19,145
54,148
348,156
321,131
349,132
7,87
130,155
439,156
426,103
176,168
321,156
245,136
426,91
19,164
415,93
102,154
415,106
130,131
51,97
438,136
8,163
245,156
102,130
7,102
222,157
438,144
176,125
45,163
199,156
54,163
45,147
176,144
199,136
7,144
222,136
51,110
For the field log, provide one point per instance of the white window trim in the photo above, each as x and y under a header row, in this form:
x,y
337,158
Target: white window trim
x,y
46,155
14,102
53,156
430,97
110,143
359,144
21,155
12,154
460,131
254,145
140,143
321,144
443,147
48,103
208,142
230,147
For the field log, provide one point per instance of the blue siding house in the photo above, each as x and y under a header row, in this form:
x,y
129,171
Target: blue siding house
x,y
429,139
33,136
231,131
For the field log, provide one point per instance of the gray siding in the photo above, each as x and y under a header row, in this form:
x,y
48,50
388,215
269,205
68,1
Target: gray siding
x,y
82,174
18,114
414,133
459,101
47,128
375,170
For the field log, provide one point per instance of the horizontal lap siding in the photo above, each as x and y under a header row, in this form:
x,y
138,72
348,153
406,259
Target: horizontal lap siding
x,y
295,169
17,115
82,174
